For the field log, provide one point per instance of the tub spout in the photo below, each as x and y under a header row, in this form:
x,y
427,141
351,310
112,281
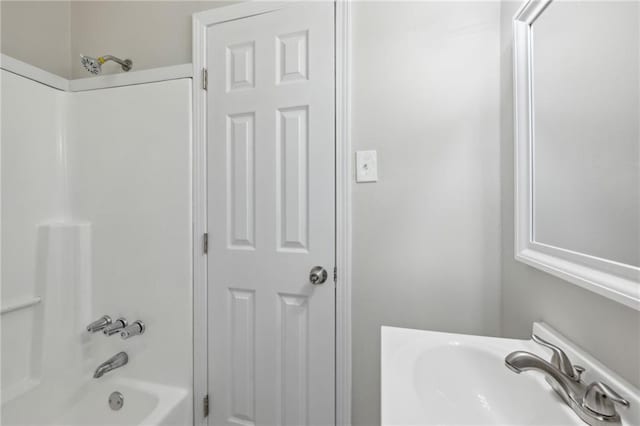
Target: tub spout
x,y
116,361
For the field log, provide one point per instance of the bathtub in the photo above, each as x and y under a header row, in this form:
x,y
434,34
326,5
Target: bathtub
x,y
145,403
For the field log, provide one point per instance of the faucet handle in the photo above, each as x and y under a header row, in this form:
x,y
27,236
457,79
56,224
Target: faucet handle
x,y
133,329
99,324
600,399
559,358
115,327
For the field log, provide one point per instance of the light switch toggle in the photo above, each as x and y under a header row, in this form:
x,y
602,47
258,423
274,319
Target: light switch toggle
x,y
366,166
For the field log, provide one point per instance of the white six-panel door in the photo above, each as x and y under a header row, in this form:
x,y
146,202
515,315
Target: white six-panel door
x,y
270,142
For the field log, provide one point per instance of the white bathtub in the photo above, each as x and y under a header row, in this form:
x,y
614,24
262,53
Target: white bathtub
x,y
145,403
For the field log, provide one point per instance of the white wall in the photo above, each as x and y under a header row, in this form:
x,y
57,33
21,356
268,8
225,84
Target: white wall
x,y
607,330
426,247
38,33
44,256
130,172
32,193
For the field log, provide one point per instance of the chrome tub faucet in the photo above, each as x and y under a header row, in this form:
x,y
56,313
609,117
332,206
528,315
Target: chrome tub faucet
x,y
120,326
595,404
118,360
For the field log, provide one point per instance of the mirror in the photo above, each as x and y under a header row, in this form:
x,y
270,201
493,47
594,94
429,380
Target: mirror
x,y
577,83
585,150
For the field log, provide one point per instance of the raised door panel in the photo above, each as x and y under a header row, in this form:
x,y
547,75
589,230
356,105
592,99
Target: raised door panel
x,y
242,324
292,187
241,180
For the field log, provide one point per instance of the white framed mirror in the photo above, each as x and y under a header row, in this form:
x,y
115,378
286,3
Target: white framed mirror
x,y
577,143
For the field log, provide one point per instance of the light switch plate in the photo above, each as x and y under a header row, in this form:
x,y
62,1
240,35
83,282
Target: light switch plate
x,y
366,166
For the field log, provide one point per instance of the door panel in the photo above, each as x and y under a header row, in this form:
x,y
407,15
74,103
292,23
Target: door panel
x,y
271,217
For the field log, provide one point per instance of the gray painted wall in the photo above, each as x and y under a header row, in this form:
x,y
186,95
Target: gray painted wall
x,y
426,242
52,34
607,330
151,33
38,33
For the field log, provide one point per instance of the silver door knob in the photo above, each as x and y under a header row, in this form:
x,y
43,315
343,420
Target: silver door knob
x,y
318,275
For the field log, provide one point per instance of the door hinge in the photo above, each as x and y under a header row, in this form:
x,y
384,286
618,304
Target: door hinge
x,y
335,274
205,78
205,243
205,406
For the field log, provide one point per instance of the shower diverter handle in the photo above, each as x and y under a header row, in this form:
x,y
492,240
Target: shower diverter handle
x,y
133,329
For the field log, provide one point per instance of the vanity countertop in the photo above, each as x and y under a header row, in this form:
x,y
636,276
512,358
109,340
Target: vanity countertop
x,y
433,378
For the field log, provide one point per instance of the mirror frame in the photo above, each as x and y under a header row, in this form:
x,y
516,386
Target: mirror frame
x,y
614,280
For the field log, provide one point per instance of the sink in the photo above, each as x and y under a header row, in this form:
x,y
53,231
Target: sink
x,y
432,378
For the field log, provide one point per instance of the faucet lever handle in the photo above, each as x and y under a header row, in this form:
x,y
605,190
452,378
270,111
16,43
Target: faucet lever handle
x,y
99,324
600,398
115,327
133,329
559,357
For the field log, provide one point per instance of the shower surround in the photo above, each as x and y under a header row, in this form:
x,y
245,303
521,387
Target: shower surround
x,y
96,204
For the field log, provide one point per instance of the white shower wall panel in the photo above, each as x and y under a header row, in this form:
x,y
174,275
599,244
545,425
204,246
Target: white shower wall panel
x,y
129,157
32,186
96,219
33,189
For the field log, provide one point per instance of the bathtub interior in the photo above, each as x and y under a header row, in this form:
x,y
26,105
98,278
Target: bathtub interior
x,y
88,405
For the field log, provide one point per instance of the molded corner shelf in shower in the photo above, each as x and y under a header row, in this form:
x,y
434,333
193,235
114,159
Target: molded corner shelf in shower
x,y
19,304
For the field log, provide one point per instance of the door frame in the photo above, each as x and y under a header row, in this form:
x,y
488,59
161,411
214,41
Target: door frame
x,y
343,171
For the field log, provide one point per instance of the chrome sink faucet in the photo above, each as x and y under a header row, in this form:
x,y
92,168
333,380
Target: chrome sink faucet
x,y
594,404
116,361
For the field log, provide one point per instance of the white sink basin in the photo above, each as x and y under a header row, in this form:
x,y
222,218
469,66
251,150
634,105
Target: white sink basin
x,y
431,378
